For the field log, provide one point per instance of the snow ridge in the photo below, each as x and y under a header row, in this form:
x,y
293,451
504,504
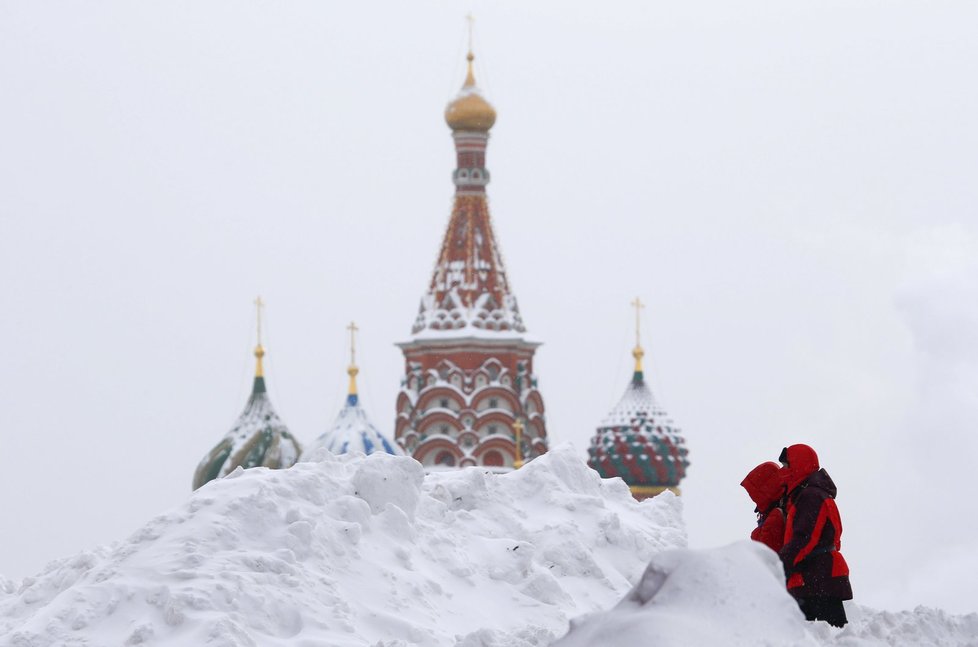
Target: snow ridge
x,y
356,551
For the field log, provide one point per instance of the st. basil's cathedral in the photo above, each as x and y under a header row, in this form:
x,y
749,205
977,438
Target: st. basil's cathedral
x,y
469,395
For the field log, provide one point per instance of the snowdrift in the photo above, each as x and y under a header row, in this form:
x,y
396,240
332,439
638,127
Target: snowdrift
x,y
735,596
730,596
368,551
355,550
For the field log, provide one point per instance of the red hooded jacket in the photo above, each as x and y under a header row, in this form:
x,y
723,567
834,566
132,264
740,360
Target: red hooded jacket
x,y
812,562
765,486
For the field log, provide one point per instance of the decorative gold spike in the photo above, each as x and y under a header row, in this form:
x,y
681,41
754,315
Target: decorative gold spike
x,y
638,353
259,349
518,430
353,370
470,75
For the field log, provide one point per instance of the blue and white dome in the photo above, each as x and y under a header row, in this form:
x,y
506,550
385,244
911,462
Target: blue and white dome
x,y
352,431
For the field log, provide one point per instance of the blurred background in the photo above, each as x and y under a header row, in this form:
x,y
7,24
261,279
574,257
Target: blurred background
x,y
790,187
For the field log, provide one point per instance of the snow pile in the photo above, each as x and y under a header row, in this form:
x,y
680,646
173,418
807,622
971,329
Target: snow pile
x,y
355,551
369,552
735,596
731,596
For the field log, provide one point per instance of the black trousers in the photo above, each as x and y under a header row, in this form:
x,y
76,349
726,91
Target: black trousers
x,y
828,609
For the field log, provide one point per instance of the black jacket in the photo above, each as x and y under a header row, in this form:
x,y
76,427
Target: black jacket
x,y
812,562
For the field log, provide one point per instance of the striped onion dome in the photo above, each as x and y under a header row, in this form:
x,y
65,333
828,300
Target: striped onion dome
x,y
639,442
258,439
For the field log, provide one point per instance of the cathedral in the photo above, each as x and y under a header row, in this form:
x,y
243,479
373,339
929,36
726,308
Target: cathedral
x,y
469,393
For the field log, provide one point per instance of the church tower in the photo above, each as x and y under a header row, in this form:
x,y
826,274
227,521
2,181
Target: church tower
x,y
469,388
637,440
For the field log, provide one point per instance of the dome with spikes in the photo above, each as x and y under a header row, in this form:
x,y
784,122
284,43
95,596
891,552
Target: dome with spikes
x,y
639,442
258,439
469,111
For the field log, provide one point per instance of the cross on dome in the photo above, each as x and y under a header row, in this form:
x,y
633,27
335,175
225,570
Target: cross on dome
x,y
469,111
351,396
258,438
259,349
638,353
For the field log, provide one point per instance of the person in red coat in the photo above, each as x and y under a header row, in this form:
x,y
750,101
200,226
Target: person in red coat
x,y
817,574
765,486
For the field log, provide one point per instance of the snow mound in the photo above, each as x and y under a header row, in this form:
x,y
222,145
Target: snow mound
x,y
356,551
732,596
735,596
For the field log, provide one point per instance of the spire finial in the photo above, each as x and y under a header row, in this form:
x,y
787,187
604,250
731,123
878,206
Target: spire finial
x,y
259,350
518,432
638,353
470,75
351,397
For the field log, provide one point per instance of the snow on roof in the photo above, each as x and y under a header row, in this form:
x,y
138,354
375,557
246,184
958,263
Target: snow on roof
x,y
638,401
352,432
639,442
452,318
469,290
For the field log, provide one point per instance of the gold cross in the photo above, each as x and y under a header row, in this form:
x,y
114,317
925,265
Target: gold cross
x,y
353,349
259,304
638,305
471,20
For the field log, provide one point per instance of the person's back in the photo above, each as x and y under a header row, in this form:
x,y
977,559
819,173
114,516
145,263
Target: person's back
x,y
817,573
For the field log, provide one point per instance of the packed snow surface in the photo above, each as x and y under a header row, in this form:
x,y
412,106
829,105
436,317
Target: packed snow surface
x,y
368,551
356,550
735,596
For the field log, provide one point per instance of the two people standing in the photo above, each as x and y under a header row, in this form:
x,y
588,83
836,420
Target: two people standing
x,y
798,519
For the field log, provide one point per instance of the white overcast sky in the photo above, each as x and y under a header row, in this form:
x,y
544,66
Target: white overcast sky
x,y
790,186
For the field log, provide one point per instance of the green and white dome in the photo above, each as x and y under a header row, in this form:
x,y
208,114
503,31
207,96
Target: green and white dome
x,y
258,439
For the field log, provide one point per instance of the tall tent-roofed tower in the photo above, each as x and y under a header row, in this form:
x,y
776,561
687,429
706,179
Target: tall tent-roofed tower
x,y
637,440
352,430
258,439
469,381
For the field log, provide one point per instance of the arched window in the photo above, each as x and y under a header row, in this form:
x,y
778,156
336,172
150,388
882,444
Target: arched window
x,y
492,458
445,458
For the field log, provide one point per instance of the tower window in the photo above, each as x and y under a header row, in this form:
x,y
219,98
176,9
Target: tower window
x,y
445,458
443,403
443,429
493,403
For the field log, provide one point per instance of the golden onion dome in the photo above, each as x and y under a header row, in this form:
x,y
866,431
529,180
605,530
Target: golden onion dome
x,y
469,111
